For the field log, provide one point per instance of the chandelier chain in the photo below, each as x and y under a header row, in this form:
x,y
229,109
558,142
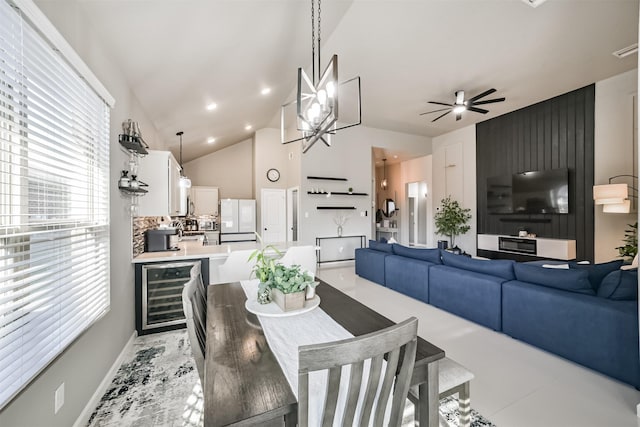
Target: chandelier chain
x,y
319,63
313,42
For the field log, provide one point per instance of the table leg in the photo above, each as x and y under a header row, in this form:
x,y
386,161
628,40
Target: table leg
x,y
291,419
428,396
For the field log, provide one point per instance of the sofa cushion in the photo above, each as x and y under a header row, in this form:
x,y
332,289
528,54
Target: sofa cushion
x,y
597,272
431,255
620,285
494,267
564,279
382,247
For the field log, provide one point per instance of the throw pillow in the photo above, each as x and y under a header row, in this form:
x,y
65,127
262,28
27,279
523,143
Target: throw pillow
x,y
382,247
430,255
564,279
620,285
597,272
494,267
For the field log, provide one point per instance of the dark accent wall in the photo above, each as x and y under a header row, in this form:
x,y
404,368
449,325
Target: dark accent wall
x,y
556,133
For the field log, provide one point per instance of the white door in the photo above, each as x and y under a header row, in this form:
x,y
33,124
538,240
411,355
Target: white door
x,y
273,214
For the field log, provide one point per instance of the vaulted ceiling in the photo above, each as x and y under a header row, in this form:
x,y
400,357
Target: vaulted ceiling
x,y
181,55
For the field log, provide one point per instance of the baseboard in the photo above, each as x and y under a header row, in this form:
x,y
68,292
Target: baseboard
x,y
83,419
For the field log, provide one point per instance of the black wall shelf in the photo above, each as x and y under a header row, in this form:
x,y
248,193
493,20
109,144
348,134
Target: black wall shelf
x,y
335,207
326,178
338,193
133,144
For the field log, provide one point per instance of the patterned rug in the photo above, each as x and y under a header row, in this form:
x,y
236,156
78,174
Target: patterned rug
x,y
158,385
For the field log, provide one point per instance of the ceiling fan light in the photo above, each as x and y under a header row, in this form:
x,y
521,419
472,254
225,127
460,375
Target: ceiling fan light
x,y
459,109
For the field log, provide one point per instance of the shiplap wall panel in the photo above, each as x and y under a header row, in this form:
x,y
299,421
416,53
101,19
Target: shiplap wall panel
x,y
556,133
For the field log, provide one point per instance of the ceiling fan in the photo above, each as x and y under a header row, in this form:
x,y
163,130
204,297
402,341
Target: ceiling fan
x,y
460,105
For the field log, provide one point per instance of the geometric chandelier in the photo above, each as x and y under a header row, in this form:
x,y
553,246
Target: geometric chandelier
x,y
317,99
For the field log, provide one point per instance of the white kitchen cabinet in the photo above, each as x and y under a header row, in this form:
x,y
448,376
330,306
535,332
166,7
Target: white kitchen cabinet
x,y
161,171
205,200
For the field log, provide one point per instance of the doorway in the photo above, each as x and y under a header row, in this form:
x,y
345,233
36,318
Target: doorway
x,y
417,213
273,214
292,214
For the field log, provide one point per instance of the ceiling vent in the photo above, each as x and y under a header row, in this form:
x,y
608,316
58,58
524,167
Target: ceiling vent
x,y
626,51
534,3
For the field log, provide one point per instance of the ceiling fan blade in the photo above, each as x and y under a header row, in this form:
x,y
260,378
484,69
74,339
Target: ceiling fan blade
x,y
434,111
440,103
460,97
441,116
489,101
481,95
478,110
458,116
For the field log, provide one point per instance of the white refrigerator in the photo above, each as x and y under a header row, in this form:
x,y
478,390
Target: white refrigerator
x,y
237,220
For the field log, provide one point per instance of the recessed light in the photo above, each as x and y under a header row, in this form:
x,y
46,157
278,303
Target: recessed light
x,y
395,156
211,140
212,106
266,91
247,127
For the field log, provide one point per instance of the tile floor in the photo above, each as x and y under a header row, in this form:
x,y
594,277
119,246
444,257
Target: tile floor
x,y
515,384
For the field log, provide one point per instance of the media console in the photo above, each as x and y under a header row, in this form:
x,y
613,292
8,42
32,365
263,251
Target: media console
x,y
524,248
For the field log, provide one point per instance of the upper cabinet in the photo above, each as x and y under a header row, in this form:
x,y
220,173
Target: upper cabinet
x,y
204,201
161,172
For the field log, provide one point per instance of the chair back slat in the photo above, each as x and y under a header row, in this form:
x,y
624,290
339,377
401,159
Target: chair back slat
x,y
194,305
392,342
331,396
355,382
387,383
372,388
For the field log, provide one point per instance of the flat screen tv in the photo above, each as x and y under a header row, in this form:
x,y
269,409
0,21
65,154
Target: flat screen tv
x,y
541,192
499,199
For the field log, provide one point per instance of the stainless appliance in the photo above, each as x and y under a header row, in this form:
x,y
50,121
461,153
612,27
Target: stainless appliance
x,y
162,286
159,240
207,223
237,220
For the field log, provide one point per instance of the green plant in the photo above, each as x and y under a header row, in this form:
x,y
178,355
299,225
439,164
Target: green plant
x,y
630,247
289,279
265,263
451,219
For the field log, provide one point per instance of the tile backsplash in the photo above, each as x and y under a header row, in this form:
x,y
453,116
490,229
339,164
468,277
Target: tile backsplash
x,y
140,225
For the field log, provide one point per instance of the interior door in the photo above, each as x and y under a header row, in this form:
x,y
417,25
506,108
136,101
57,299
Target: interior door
x,y
292,214
273,214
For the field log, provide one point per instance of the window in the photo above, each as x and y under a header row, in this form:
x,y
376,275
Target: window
x,y
54,203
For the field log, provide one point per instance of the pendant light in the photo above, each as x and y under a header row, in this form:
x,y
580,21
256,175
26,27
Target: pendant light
x,y
184,181
383,184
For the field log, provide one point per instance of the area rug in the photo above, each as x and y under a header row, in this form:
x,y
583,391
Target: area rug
x,y
158,385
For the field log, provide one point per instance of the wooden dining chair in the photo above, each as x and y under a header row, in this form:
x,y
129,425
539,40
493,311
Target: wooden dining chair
x,y
194,303
392,379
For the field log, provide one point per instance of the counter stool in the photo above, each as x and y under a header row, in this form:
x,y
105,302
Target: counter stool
x,y
452,378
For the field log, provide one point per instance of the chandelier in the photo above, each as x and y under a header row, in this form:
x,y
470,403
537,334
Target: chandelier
x,y
317,99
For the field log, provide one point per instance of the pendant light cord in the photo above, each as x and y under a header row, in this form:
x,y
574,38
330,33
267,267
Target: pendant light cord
x,y
315,76
180,135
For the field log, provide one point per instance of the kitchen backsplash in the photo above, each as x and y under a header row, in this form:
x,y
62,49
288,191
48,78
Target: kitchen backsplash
x,y
140,225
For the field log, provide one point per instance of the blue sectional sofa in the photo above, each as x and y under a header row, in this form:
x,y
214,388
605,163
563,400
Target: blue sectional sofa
x,y
586,313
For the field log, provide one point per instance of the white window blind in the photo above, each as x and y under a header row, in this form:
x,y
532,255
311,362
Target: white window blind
x,y
54,204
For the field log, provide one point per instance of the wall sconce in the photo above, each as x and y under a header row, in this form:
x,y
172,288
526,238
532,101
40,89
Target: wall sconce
x,y
615,198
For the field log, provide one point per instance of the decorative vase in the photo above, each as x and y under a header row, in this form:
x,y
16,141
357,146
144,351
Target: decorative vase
x,y
288,302
310,292
339,231
264,296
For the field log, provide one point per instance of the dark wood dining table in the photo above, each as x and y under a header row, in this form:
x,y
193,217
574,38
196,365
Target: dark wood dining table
x,y
243,382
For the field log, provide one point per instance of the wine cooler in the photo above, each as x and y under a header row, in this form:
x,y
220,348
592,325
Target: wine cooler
x,y
162,286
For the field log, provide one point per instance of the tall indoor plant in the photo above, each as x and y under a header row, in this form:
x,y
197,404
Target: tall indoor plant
x,y
630,247
452,219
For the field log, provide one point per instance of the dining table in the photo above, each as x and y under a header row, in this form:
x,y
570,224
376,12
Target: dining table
x,y
244,383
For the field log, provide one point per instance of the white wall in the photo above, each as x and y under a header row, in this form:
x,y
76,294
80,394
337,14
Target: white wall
x,y
466,172
348,157
230,169
83,365
614,155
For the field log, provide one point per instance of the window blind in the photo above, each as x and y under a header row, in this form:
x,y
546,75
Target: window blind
x,y
54,204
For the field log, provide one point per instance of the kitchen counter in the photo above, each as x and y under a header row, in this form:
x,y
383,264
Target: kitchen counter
x,y
195,249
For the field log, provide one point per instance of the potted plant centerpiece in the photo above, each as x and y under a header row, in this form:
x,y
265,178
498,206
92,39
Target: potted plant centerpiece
x,y
452,220
263,268
289,286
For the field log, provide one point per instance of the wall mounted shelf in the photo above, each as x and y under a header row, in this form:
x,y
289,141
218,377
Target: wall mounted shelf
x,y
337,193
132,144
133,191
326,178
336,207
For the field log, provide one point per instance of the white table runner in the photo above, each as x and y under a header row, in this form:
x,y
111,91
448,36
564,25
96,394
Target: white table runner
x,y
285,334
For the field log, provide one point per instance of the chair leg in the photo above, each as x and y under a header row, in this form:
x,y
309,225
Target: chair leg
x,y
464,405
